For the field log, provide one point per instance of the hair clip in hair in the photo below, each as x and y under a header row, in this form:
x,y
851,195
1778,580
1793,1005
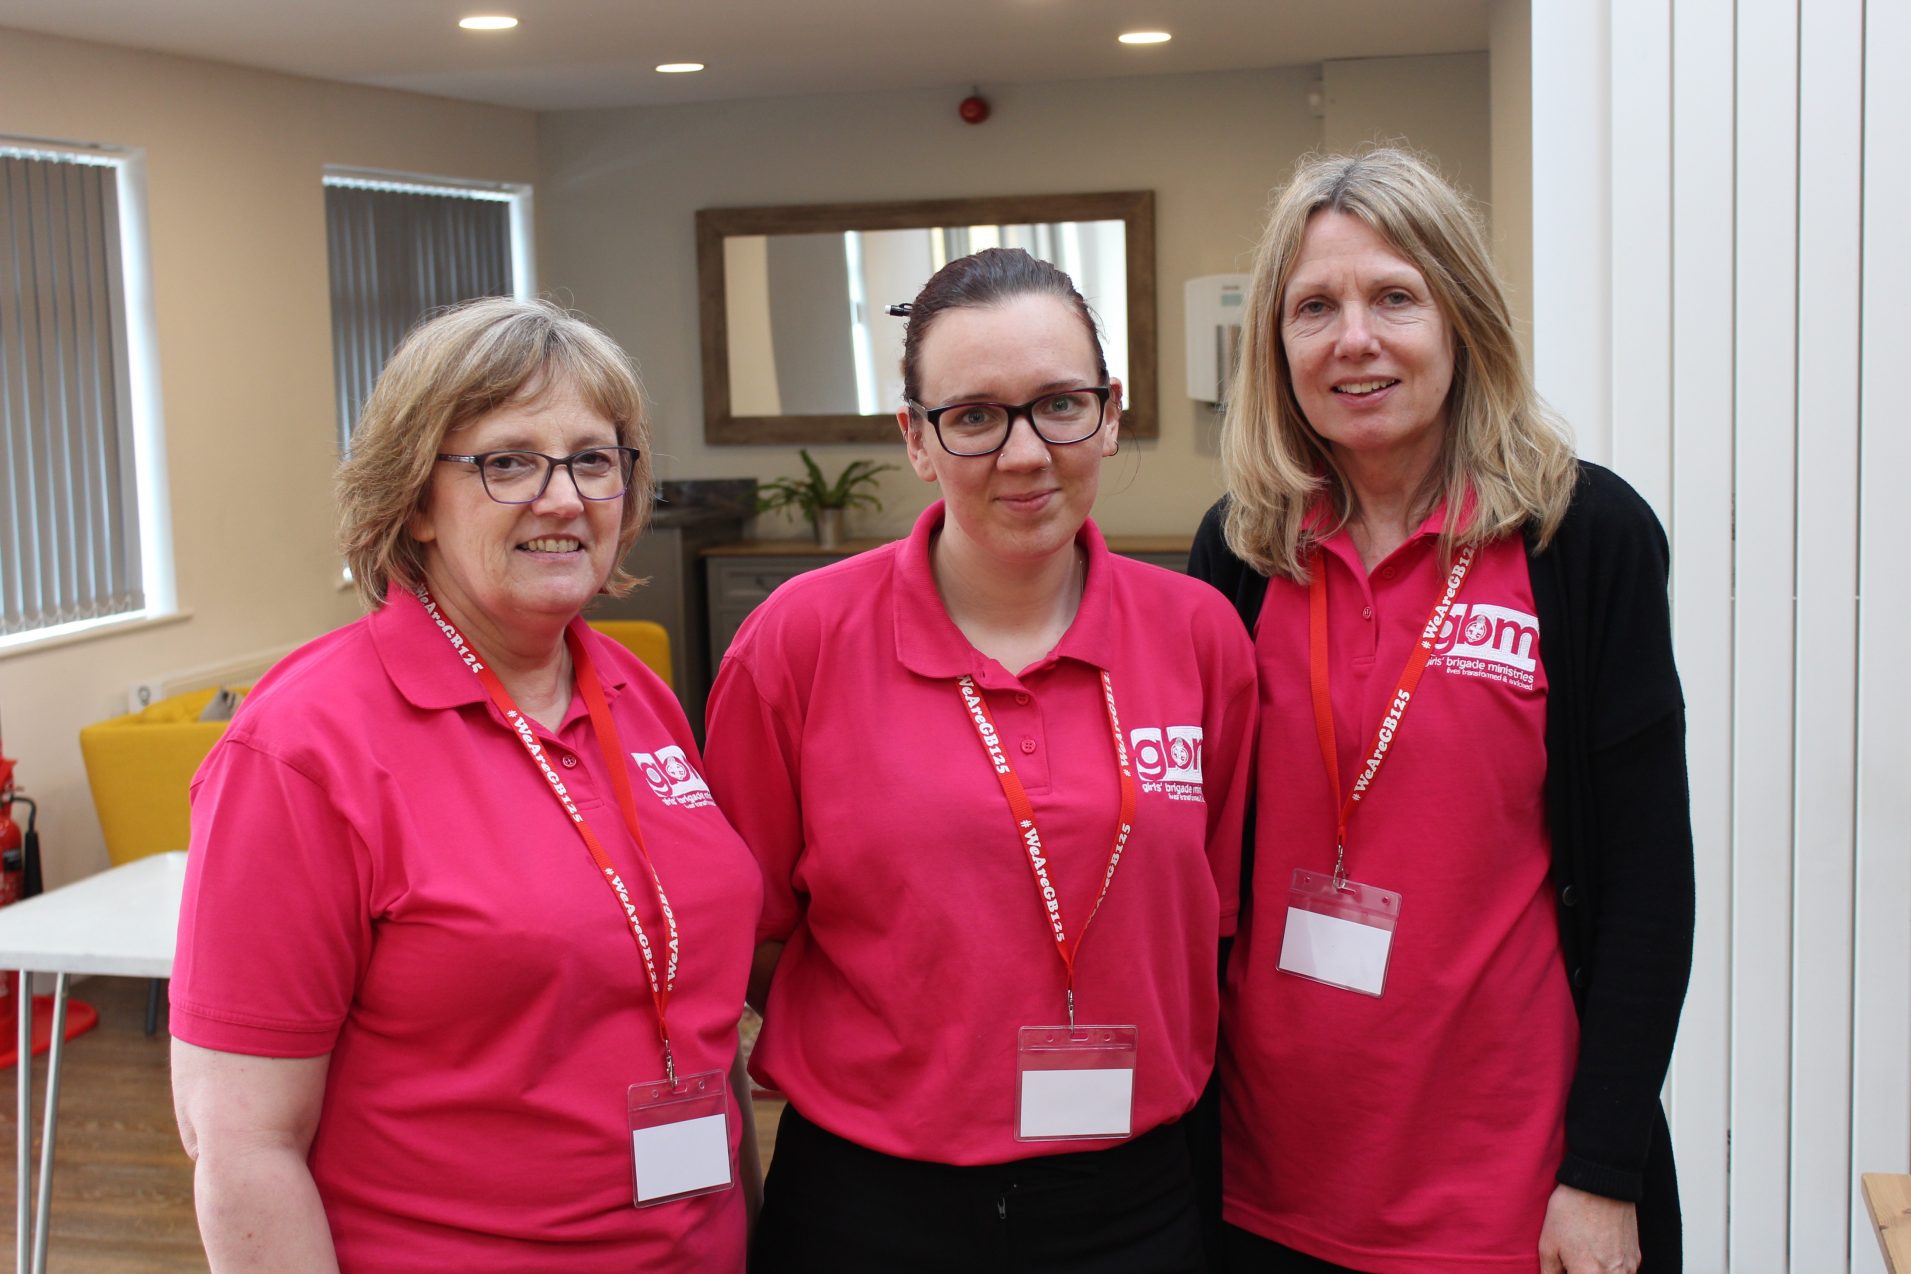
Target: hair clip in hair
x,y
899,310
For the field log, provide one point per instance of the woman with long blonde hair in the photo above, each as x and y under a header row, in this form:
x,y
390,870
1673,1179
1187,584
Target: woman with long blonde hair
x,y
1456,986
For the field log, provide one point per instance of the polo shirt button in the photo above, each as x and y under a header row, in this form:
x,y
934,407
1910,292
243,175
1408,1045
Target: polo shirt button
x,y
1366,612
1388,572
1021,699
570,762
1028,745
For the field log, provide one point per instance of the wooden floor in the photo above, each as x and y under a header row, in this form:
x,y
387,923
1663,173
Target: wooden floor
x,y
122,1187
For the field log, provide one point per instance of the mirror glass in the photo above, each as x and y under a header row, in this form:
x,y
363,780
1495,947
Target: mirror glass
x,y
808,323
798,342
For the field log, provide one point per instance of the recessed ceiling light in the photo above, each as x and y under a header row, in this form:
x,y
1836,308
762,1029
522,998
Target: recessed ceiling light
x,y
488,22
1145,37
680,68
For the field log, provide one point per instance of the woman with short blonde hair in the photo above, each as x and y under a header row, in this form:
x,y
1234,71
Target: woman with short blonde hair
x,y
464,936
1457,984
466,362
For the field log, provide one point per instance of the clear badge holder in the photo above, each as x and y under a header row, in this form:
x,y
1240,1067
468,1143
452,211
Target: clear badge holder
x,y
1339,934
680,1138
1074,1083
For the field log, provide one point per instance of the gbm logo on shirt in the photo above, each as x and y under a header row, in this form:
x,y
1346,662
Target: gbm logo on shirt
x,y
1168,760
672,777
1483,640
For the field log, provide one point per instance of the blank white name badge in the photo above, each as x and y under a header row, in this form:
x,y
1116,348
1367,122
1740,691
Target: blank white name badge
x,y
1074,1083
680,1138
1339,934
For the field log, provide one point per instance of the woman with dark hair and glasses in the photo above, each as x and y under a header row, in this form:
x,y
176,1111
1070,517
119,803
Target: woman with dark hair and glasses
x,y
994,776
464,936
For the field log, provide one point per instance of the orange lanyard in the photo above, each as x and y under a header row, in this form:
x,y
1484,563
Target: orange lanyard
x,y
1389,729
1031,836
612,748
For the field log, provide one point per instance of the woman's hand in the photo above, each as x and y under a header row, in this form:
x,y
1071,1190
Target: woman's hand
x,y
247,1124
1588,1234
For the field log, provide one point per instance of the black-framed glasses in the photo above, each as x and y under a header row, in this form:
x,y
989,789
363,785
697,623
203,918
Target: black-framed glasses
x,y
520,477
1060,417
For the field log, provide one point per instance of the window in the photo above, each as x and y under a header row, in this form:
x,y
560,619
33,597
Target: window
x,y
78,516
401,248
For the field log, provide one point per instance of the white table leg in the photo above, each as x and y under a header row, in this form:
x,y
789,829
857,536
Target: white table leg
x,y
23,1126
44,1204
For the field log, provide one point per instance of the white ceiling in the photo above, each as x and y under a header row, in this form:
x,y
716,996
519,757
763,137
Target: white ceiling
x,y
588,53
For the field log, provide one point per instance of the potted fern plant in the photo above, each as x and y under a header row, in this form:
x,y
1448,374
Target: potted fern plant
x,y
823,500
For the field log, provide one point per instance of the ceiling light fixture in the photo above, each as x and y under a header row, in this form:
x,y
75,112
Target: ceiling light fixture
x,y
680,68
488,22
1144,37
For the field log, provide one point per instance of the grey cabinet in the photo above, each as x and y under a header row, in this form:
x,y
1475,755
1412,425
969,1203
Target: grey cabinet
x,y
738,586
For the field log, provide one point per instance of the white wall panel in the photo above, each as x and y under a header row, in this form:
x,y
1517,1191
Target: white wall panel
x,y
1572,312
1642,274
1752,290
1881,1077
1702,450
1763,449
1830,44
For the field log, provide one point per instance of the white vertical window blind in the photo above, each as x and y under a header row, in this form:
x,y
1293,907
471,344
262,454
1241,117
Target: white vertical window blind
x,y
398,251
69,506
1747,331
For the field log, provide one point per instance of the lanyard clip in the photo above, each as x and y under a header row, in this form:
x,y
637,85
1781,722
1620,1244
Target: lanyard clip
x,y
1340,860
670,1065
1071,1008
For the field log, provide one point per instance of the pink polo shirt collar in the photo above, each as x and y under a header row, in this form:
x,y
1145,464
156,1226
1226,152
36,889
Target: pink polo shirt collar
x,y
420,664
929,643
1341,542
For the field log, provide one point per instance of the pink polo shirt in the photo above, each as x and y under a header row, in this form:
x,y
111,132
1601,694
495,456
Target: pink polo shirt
x,y
379,872
917,944
1419,1131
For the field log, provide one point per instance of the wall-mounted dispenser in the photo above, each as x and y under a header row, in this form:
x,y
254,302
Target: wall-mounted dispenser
x,y
1215,303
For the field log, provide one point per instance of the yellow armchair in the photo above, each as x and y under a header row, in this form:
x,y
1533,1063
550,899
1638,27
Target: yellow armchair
x,y
139,767
648,641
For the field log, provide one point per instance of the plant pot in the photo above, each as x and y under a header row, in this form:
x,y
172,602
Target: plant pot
x,y
829,528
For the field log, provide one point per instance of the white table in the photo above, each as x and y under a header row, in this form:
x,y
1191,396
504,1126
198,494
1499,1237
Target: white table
x,y
121,922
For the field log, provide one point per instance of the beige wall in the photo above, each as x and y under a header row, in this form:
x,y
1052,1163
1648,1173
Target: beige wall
x,y
1510,52
1437,104
237,224
617,190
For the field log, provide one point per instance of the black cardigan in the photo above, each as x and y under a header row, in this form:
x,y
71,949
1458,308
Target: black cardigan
x,y
1620,820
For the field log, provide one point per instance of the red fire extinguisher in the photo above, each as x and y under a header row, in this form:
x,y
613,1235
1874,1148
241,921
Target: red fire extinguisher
x,y
12,879
20,878
14,848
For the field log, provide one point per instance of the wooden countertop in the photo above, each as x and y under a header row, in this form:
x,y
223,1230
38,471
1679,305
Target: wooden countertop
x,y
1128,545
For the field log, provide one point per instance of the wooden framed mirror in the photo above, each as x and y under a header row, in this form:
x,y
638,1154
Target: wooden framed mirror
x,y
797,344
